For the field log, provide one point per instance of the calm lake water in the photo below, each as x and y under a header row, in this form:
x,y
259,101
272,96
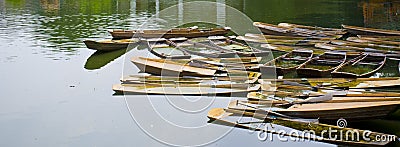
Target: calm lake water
x,y
55,92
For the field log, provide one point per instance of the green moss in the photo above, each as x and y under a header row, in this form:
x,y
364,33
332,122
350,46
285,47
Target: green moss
x,y
199,40
357,69
353,83
320,67
287,63
237,47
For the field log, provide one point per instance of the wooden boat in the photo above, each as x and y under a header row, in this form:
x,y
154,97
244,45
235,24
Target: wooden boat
x,y
171,33
241,49
345,48
354,95
230,68
373,40
185,89
323,65
241,60
365,45
286,40
287,31
265,36
169,68
109,45
201,47
363,67
381,38
287,62
251,78
161,48
342,83
347,108
258,119
370,31
291,25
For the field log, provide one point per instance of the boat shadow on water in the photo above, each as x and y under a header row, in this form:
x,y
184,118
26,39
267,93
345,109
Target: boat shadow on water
x,y
100,58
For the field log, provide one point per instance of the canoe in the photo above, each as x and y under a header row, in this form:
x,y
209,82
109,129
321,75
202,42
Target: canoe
x,y
190,89
169,68
323,65
264,36
290,94
381,38
109,45
342,83
201,47
291,25
365,45
251,78
241,49
287,62
257,120
346,48
241,60
347,108
348,111
363,67
287,31
171,33
373,41
286,40
370,31
230,68
161,48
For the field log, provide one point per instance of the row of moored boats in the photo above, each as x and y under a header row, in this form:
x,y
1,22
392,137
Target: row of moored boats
x,y
192,61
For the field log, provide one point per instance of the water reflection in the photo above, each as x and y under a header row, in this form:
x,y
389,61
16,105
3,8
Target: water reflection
x,y
50,5
99,59
57,28
381,13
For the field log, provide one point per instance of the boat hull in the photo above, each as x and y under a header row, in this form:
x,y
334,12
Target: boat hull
x,y
177,90
370,31
278,70
217,55
309,72
167,68
105,46
304,57
332,59
188,33
348,114
378,59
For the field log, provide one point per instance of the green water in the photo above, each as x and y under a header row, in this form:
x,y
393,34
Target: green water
x,y
56,92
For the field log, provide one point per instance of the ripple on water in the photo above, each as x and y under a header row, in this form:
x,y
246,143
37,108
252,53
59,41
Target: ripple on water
x,y
58,35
